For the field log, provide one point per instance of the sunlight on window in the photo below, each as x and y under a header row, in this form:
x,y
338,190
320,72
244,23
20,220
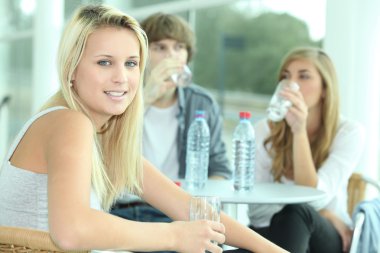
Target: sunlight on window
x,y
312,12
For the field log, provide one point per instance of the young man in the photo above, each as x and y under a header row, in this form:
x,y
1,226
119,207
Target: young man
x,y
170,109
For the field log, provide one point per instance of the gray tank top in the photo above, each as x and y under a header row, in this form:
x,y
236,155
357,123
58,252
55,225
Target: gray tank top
x,y
23,194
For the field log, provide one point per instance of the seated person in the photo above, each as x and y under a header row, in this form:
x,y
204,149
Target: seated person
x,y
171,46
313,146
73,159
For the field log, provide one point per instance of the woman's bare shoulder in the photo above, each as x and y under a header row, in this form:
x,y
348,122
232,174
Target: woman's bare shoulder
x,y
65,120
57,130
64,128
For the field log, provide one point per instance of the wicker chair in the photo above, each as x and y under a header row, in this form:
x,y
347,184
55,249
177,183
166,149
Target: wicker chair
x,y
356,190
356,193
25,240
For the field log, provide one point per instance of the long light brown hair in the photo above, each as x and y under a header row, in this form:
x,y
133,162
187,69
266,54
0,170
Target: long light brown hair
x,y
116,158
279,143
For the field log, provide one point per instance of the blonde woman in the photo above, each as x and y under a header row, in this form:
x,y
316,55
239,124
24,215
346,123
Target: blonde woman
x,y
313,146
74,158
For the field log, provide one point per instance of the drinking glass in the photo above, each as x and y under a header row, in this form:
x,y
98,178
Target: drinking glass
x,y
182,78
205,208
278,106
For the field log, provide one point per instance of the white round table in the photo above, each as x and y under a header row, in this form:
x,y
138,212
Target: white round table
x,y
262,193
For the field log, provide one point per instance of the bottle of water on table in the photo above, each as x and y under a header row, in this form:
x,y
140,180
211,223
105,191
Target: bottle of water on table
x,y
197,152
243,153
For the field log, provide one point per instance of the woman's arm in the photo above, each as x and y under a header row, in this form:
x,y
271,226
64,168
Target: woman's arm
x,y
344,156
304,170
300,120
175,202
240,236
74,225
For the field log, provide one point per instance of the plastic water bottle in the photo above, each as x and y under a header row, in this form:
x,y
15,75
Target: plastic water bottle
x,y
278,106
197,153
243,153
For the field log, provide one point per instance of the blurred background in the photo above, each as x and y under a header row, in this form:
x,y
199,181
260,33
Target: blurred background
x,y
240,44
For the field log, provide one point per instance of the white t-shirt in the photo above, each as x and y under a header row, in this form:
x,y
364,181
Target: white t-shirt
x,y
160,139
333,175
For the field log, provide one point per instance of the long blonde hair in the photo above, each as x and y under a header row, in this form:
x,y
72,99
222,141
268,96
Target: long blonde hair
x,y
280,138
116,158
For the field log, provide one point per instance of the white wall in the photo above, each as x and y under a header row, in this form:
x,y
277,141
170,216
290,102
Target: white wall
x,y
4,80
352,40
4,118
48,22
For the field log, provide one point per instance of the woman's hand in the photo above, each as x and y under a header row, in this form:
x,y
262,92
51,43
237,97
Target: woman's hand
x,y
196,236
344,231
298,112
158,80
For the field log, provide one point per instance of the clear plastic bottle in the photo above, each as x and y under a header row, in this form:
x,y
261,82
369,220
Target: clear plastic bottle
x,y
278,106
243,153
197,152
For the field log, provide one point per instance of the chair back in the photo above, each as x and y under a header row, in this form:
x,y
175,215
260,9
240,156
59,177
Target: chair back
x,y
355,191
358,227
25,240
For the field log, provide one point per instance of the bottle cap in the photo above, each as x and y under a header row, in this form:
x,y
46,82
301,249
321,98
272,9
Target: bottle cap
x,y
200,114
245,115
